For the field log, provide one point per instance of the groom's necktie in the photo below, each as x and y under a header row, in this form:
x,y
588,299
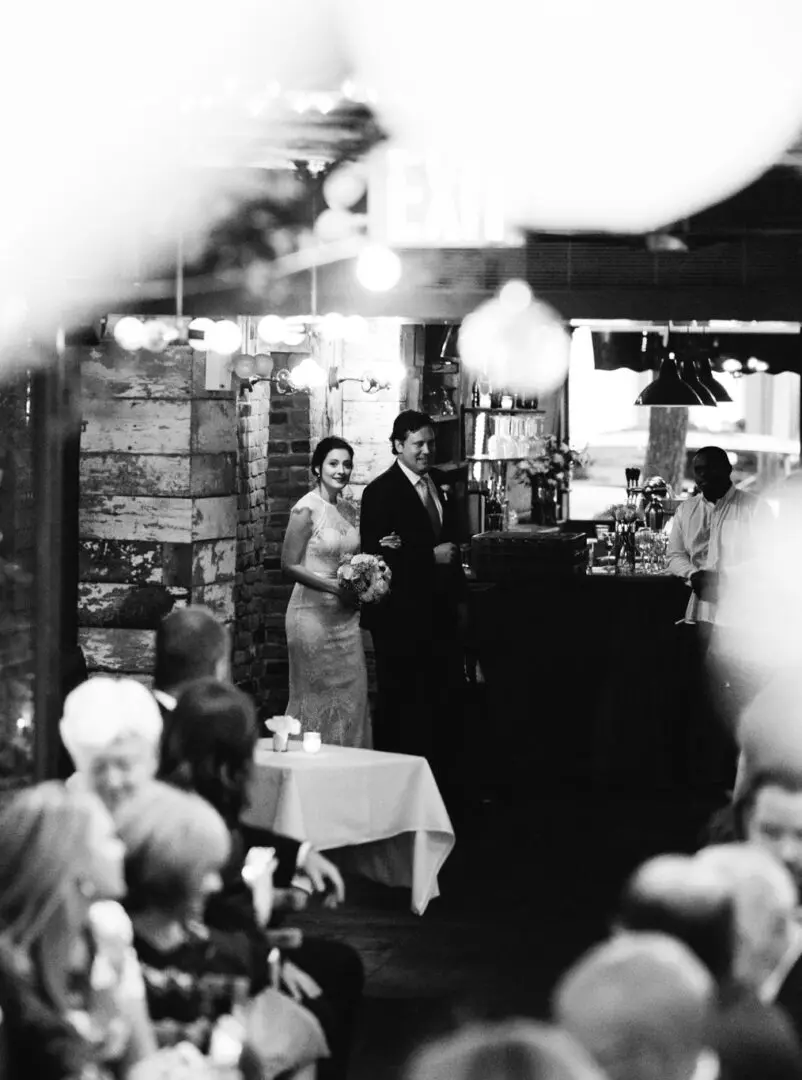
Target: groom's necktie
x,y
425,492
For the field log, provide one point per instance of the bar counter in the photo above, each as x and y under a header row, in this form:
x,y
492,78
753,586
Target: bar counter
x,y
589,681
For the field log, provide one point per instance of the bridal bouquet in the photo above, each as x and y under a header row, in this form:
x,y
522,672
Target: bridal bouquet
x,y
367,576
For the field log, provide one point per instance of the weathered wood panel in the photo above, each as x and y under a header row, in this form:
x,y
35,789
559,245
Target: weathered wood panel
x,y
214,426
177,572
137,517
214,518
141,427
370,459
123,561
129,607
213,561
110,372
123,651
213,474
369,417
135,474
218,597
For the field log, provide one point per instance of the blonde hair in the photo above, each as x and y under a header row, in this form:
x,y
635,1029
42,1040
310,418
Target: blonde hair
x,y
172,840
512,1050
45,856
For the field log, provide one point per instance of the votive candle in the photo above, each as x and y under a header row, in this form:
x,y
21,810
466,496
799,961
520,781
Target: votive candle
x,y
311,741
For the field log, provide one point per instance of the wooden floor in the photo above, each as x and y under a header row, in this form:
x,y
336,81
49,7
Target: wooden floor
x,y
530,884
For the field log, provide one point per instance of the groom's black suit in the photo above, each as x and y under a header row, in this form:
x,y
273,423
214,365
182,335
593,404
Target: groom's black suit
x,y
419,667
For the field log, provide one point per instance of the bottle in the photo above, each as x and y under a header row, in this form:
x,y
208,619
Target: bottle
x,y
485,396
475,395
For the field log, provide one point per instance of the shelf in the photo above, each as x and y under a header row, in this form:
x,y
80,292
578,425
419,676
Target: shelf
x,y
504,412
450,466
486,457
442,419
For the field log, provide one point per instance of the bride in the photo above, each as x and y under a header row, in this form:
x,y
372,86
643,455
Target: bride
x,y
328,679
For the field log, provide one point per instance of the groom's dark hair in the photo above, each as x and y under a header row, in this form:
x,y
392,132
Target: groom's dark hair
x,y
407,421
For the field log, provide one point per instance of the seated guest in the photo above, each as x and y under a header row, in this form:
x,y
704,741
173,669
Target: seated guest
x,y
768,813
680,897
515,1050
176,846
640,1006
112,730
209,748
191,644
71,992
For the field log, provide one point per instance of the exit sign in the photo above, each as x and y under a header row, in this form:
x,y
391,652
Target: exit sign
x,y
417,203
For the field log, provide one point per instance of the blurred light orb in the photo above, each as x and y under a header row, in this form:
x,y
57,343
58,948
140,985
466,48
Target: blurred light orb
x,y
271,329
263,365
356,329
129,333
731,365
378,269
525,351
198,329
307,374
243,365
224,337
333,325
157,335
294,334
344,187
515,295
589,161
336,225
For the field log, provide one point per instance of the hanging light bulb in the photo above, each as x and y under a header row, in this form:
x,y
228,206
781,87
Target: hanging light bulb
x,y
129,333
197,330
732,366
294,333
344,187
271,329
224,337
243,365
263,365
307,374
156,336
378,269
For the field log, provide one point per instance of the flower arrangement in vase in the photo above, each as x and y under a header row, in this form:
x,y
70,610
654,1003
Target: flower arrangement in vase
x,y
549,476
627,519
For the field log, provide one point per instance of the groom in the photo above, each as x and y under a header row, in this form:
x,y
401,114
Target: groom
x,y
408,518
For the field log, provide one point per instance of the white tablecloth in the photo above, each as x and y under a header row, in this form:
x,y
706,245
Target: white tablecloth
x,y
385,808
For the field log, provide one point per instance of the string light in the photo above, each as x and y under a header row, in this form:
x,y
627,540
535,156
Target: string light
x,y
129,333
224,337
378,269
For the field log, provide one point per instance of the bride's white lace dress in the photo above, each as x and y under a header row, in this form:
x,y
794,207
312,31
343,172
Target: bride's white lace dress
x,y
328,679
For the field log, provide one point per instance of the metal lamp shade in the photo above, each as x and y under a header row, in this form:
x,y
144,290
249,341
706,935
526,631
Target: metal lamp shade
x,y
688,374
449,350
706,377
668,388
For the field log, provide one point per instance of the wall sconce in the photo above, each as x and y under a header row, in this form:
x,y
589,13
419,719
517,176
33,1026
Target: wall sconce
x,y
256,369
367,380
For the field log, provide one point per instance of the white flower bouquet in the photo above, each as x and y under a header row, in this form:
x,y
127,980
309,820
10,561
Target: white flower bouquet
x,y
282,727
368,577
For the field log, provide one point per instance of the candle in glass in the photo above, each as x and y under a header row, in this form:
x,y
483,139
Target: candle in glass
x,y
311,741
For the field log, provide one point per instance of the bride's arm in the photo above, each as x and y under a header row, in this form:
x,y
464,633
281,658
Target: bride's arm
x,y
298,535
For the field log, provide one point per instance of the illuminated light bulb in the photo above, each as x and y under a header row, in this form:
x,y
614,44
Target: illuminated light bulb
x,y
307,374
294,335
336,225
244,366
355,329
731,365
378,268
333,325
198,329
129,333
156,336
224,337
344,187
271,329
263,365
515,295
756,365
393,373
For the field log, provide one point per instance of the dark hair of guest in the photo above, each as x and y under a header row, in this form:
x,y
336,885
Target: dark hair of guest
x,y
703,921
406,422
190,643
789,780
208,746
715,454
324,448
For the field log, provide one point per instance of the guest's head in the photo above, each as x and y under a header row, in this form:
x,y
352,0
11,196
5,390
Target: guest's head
x,y
58,853
332,464
769,814
640,1005
190,644
412,440
209,745
674,895
712,471
514,1050
176,846
765,898
111,729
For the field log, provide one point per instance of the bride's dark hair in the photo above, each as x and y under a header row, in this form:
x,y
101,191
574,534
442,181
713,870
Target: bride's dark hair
x,y
324,448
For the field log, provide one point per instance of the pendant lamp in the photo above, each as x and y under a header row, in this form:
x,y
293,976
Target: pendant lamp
x,y
704,370
688,374
668,388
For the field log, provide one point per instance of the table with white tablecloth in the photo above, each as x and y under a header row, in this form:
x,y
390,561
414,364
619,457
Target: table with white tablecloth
x,y
384,811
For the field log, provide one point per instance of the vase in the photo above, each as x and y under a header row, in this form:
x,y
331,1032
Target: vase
x,y
280,742
545,504
624,550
